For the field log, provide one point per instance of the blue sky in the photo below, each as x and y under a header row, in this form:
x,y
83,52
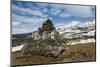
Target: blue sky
x,y
28,16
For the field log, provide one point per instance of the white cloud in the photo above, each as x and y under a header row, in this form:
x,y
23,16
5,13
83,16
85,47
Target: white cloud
x,y
68,10
15,23
55,11
26,19
21,30
74,10
64,15
81,11
23,26
20,20
36,12
45,10
42,5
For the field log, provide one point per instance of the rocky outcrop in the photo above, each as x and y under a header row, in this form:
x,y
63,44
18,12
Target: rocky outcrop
x,y
46,42
53,35
44,48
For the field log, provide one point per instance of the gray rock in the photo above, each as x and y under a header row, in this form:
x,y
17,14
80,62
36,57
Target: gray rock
x,y
36,35
42,48
46,44
45,35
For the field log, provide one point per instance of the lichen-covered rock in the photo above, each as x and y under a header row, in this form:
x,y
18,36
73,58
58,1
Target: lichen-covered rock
x,y
46,41
56,51
43,47
36,35
45,35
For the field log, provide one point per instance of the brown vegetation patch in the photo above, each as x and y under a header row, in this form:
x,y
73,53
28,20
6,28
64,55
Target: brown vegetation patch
x,y
74,53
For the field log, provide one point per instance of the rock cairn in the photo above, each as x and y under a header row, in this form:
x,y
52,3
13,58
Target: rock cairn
x,y
46,41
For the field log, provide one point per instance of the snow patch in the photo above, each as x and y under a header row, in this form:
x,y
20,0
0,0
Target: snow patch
x,y
82,41
17,48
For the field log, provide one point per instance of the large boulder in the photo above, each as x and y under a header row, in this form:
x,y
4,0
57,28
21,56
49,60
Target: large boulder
x,y
43,47
56,51
36,35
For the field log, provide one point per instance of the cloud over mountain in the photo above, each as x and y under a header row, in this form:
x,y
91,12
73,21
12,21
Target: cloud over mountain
x,y
31,15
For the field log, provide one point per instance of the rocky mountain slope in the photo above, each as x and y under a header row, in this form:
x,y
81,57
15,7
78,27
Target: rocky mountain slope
x,y
78,29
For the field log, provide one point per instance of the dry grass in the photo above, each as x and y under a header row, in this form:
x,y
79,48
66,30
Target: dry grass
x,y
73,53
18,59
79,52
